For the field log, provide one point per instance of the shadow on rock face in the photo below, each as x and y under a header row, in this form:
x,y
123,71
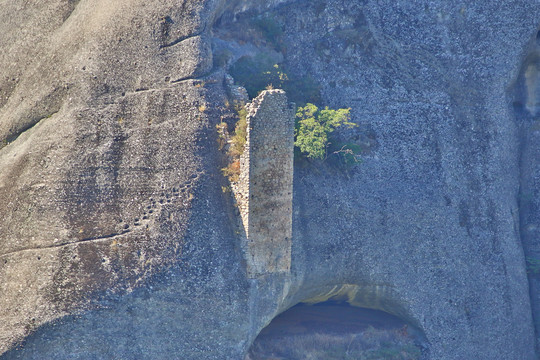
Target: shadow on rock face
x,y
526,96
335,330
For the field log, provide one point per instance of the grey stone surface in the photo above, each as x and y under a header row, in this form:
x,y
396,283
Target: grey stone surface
x,y
265,187
526,100
437,201
101,150
107,118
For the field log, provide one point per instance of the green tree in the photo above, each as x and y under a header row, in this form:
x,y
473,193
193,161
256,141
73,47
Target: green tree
x,y
313,128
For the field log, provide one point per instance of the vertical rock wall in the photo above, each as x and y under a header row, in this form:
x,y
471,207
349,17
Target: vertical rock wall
x,y
527,113
266,181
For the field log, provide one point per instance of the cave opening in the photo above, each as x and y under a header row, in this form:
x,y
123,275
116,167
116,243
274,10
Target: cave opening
x,y
335,330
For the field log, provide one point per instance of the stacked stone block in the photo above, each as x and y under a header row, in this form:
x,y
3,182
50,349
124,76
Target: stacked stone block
x,y
266,180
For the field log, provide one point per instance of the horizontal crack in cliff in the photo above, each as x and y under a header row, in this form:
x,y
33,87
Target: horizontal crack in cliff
x,y
182,79
183,38
172,82
63,244
11,138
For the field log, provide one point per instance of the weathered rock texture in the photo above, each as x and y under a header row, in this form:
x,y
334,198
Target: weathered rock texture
x,y
103,138
437,199
116,241
266,183
527,114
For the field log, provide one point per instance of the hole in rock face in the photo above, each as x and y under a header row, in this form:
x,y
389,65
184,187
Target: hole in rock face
x,y
335,330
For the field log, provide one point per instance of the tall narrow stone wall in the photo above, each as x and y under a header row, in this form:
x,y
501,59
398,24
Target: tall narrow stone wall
x,y
266,182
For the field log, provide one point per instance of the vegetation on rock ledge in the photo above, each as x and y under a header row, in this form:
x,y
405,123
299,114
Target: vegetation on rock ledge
x,y
313,129
236,144
313,138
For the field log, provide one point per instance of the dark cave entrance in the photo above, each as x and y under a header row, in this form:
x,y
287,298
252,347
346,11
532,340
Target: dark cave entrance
x,y
335,330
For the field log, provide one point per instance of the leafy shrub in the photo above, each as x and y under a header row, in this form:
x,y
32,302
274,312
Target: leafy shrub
x,y
346,153
312,137
314,127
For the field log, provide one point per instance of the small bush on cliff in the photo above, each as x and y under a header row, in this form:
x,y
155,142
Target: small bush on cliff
x,y
240,132
238,140
313,128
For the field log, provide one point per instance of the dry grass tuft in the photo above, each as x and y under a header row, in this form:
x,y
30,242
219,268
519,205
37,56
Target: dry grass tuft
x,y
237,144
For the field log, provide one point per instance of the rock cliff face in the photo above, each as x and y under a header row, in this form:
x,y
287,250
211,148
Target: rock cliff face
x,y
526,110
116,240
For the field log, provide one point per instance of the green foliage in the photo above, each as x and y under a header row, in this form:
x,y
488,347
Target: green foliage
x,y
346,153
311,133
314,127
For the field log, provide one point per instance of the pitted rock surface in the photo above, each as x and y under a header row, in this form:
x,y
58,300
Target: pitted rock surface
x,y
116,240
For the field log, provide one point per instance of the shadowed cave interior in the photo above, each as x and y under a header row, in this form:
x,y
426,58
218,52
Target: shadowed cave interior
x,y
335,330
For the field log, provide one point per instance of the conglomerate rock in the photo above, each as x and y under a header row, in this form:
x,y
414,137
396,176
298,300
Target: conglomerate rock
x,y
117,242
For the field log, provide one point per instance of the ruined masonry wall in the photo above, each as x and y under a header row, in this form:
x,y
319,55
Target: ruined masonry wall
x,y
265,186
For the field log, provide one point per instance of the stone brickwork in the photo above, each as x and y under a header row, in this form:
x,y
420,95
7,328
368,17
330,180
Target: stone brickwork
x,y
265,187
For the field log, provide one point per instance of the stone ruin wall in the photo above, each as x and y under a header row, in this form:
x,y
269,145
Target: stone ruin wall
x,y
264,193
